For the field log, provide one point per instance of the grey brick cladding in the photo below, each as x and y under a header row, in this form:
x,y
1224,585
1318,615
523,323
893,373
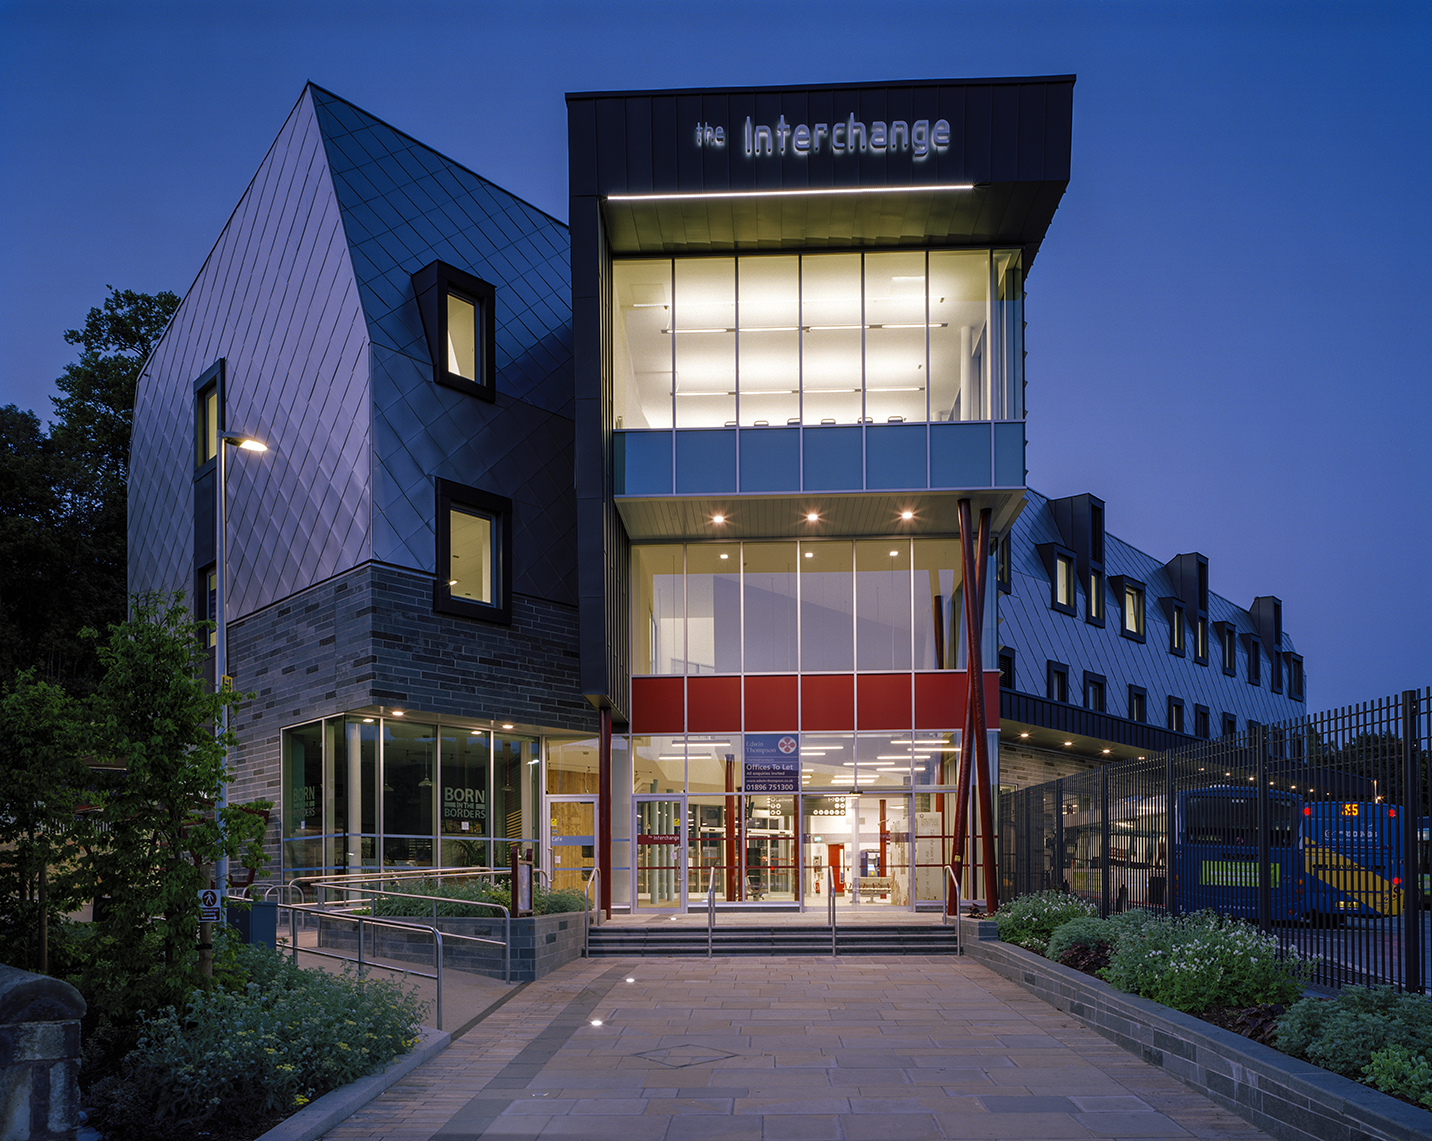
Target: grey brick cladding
x,y
370,637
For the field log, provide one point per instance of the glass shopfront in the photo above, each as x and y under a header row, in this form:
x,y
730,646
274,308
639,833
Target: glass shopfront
x,y
360,791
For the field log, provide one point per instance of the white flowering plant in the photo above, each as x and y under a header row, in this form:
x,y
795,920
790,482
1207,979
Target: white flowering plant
x,y
278,1037
1029,920
1197,962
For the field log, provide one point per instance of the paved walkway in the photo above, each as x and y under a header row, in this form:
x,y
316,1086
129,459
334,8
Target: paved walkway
x,y
757,1049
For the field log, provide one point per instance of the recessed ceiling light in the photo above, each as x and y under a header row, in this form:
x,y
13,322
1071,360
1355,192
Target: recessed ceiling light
x,y
1024,734
507,724
367,721
812,517
894,554
596,1021
718,519
474,732
907,515
1069,742
631,980
725,556
397,713
1106,750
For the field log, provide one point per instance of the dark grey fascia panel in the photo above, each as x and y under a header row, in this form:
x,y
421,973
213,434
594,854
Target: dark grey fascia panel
x,y
1008,138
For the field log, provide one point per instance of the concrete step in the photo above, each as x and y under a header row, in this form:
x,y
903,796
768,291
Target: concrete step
x,y
756,940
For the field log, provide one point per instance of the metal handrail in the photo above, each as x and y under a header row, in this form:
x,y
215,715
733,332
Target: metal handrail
x,y
587,901
710,911
952,883
830,905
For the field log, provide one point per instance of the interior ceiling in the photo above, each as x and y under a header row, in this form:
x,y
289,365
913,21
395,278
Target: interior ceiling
x,y
843,515
991,214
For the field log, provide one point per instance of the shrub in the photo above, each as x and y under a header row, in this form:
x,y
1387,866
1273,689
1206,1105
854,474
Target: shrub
x,y
1203,961
262,1049
1029,920
463,893
1398,1071
1342,1034
1086,933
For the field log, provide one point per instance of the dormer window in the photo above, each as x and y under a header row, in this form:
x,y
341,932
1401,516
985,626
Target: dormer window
x,y
1130,594
459,321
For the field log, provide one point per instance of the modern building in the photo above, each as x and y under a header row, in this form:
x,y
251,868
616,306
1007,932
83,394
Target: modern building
x,y
648,546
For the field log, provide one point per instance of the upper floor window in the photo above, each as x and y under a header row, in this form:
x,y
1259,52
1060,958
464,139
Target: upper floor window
x,y
1255,662
1229,640
474,553
208,414
1176,632
459,320
1200,640
1230,725
1133,611
1096,598
1003,570
1064,582
1138,703
1057,681
1095,692
1006,668
1175,714
1295,677
776,340
1200,721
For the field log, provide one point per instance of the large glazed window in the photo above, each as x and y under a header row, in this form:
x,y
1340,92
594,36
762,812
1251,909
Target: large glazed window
x,y
771,340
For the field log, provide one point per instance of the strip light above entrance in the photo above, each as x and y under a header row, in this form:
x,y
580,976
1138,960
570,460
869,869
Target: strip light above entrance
x,y
802,192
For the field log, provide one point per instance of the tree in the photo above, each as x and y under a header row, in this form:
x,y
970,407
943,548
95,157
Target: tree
x,y
63,497
153,718
43,783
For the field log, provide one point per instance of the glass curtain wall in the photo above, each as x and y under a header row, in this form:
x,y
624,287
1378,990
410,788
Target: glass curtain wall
x,y
415,794
827,605
774,340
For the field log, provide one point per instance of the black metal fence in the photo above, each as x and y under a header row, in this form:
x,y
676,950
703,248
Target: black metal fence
x,y
1314,829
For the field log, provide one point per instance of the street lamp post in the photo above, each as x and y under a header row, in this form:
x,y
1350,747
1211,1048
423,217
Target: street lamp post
x,y
221,634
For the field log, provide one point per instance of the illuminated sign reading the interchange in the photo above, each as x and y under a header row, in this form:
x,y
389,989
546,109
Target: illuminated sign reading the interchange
x,y
919,138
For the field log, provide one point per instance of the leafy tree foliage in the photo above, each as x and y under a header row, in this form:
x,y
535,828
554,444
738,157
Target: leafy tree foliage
x,y
63,497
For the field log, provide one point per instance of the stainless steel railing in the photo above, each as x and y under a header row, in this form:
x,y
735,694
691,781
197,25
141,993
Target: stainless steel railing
x,y
591,900
952,885
830,905
710,911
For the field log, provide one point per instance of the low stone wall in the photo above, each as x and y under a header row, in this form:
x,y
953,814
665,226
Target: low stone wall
x,y
1290,1099
39,1057
540,943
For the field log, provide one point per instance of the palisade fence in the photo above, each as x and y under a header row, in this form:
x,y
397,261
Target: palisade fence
x,y
1315,829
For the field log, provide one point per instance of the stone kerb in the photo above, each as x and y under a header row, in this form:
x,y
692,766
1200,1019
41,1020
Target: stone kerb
x,y
540,943
1290,1099
39,1057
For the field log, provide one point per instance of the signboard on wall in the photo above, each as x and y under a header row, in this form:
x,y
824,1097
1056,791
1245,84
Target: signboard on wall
x,y
772,763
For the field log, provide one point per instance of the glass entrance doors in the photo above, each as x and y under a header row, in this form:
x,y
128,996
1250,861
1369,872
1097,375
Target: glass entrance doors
x,y
572,834
660,855
859,845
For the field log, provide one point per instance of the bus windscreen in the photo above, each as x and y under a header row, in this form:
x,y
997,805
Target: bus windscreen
x,y
1234,820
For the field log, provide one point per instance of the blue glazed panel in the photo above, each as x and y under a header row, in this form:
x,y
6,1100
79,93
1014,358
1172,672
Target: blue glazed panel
x,y
1009,454
895,456
771,459
832,459
960,454
705,461
643,463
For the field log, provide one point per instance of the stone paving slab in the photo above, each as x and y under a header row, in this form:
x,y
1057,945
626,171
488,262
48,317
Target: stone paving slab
x,y
753,1049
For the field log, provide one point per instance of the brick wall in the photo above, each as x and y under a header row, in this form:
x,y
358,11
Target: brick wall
x,y
370,637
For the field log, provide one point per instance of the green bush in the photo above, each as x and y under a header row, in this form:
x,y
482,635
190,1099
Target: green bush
x,y
1203,961
1398,1071
1342,1034
1029,920
1086,932
261,1049
463,893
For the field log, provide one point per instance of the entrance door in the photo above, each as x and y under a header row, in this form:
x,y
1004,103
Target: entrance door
x,y
660,854
572,836
881,868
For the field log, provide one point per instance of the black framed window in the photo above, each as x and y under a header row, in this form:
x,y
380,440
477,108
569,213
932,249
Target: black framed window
x,y
460,323
1200,721
1094,612
1006,668
1132,610
1003,571
1200,640
1228,640
1295,677
1138,703
1064,583
474,553
1255,662
1176,632
1057,682
1175,714
206,593
206,423
1096,689
1230,725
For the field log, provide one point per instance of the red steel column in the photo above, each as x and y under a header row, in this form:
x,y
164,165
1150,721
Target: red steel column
x,y
976,558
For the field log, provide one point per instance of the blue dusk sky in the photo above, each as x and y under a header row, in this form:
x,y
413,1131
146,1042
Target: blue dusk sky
x,y
1226,320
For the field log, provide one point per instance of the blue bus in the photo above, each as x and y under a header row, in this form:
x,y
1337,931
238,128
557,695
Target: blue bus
x,y
1352,853
1216,852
